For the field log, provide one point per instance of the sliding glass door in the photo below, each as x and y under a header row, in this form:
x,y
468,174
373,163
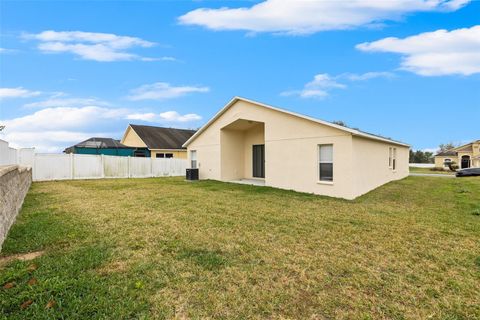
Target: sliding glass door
x,y
259,161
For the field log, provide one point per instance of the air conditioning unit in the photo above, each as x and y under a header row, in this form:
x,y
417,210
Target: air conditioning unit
x,y
192,174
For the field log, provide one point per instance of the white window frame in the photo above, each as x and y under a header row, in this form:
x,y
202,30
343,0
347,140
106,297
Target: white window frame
x,y
394,159
193,159
390,157
319,161
164,155
446,161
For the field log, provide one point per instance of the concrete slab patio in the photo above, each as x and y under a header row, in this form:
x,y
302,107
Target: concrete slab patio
x,y
253,182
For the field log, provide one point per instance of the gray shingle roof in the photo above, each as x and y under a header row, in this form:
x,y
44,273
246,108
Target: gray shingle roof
x,y
98,143
162,138
446,153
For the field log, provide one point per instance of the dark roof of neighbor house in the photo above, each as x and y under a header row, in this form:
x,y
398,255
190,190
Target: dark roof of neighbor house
x,y
98,143
446,153
162,138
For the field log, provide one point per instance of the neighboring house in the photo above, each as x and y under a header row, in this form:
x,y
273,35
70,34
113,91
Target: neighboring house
x,y
106,146
465,156
157,142
252,142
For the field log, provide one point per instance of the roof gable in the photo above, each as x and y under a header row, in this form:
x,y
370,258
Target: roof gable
x,y
326,123
162,138
467,147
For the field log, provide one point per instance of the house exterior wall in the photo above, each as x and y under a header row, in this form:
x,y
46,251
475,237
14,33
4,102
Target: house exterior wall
x,y
292,154
294,164
476,149
472,150
179,154
132,139
371,164
440,160
291,151
231,155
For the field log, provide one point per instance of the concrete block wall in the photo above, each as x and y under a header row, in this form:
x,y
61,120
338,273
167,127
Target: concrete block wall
x,y
14,184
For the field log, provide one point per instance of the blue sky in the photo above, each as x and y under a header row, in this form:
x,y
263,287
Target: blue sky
x,y
71,70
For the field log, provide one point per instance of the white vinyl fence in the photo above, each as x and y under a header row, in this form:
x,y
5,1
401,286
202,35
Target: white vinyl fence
x,y
8,155
79,166
422,165
49,166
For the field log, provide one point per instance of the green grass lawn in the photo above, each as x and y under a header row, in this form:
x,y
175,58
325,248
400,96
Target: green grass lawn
x,y
166,248
430,171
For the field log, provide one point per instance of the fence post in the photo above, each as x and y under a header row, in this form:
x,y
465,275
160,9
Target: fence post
x,y
72,165
34,170
128,166
102,161
151,167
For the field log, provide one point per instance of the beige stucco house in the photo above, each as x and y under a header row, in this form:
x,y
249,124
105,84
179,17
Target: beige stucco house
x,y
465,156
157,142
248,141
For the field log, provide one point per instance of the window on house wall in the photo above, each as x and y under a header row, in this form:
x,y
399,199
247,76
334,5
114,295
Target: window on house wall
x,y
325,163
168,155
394,158
390,155
447,162
160,155
139,153
193,159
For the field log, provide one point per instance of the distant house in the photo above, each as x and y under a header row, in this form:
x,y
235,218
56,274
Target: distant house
x,y
106,146
255,143
465,156
157,142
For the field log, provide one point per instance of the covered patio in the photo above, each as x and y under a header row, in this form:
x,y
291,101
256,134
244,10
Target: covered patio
x,y
242,145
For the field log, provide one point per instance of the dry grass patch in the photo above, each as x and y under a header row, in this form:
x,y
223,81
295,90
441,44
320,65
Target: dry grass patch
x,y
20,256
166,248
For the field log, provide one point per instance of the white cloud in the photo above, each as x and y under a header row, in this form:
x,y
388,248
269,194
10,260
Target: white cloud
x,y
63,118
367,75
53,129
54,141
317,88
163,90
323,83
5,50
435,53
112,40
92,45
306,17
19,92
168,116
159,59
66,102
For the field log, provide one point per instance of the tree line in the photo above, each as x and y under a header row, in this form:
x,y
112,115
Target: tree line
x,y
420,156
